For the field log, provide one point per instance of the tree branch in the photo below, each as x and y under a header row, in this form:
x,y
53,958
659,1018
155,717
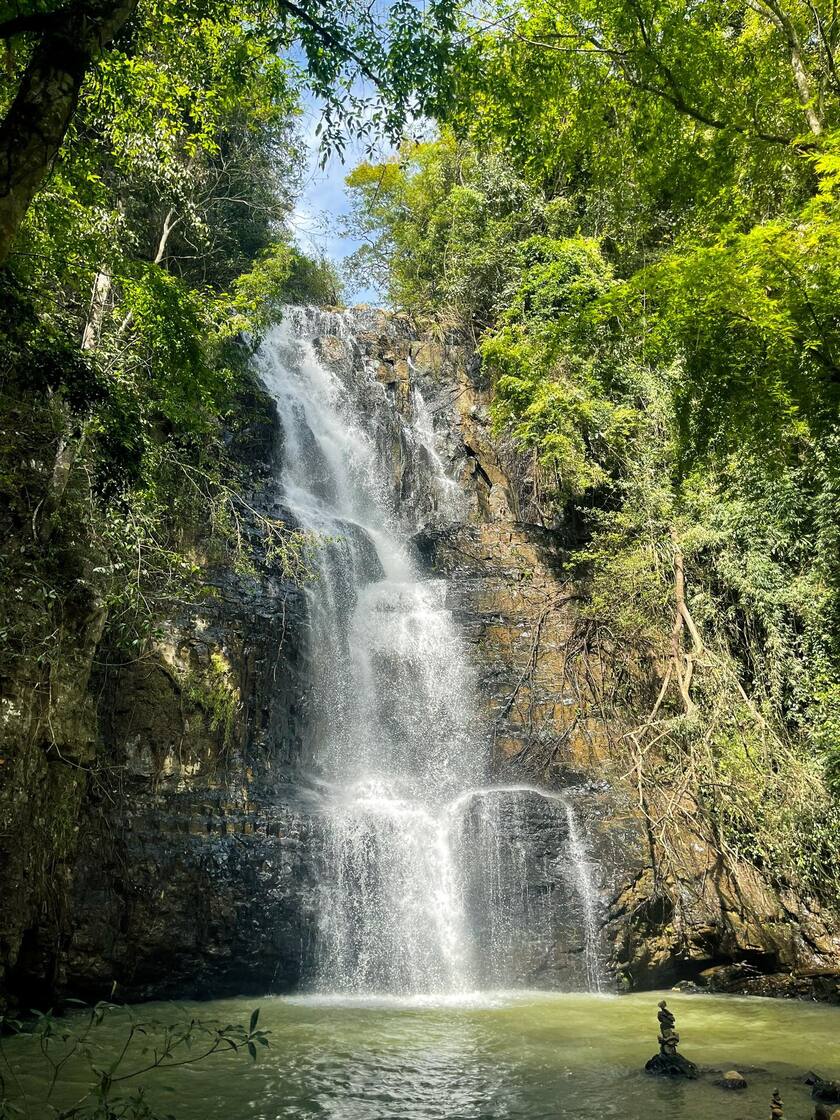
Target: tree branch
x,y
674,95
829,53
35,22
330,39
779,17
676,98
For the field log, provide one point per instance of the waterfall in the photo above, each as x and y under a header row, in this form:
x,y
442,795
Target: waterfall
x,y
427,877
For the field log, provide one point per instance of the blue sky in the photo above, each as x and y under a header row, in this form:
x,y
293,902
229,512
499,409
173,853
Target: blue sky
x,y
315,221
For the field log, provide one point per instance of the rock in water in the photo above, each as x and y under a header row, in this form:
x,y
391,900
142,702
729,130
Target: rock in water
x,y
821,1090
668,1063
732,1080
776,1109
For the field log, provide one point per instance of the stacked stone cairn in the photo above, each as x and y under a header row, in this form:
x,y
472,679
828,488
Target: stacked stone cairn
x,y
776,1106
668,1063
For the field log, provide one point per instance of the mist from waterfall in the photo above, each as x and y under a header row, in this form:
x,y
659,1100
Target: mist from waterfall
x,y
420,890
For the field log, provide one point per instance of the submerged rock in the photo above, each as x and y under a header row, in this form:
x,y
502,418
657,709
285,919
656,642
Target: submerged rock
x,y
828,1092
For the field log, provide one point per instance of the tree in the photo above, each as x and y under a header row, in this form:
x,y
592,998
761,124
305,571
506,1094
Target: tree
x,y
402,53
655,118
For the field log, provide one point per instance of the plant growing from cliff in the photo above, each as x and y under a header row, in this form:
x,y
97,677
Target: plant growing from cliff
x,y
653,194
115,1070
216,694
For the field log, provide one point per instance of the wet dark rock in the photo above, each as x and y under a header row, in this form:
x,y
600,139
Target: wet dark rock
x,y
828,1092
671,1065
727,977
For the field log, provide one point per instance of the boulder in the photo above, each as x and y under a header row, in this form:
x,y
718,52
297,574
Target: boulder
x,y
671,1065
732,1080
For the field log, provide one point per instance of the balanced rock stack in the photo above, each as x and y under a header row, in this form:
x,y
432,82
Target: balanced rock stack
x,y
668,1063
776,1103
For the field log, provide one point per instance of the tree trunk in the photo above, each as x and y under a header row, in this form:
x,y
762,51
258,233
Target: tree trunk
x,y
98,303
797,64
683,662
37,120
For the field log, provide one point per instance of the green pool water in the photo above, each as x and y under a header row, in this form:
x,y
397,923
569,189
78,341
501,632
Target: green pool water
x,y
489,1056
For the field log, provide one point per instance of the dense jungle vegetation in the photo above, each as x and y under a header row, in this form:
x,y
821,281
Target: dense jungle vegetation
x,y
632,209
150,157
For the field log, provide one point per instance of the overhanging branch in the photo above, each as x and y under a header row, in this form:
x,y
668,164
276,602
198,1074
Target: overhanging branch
x,y
330,39
34,23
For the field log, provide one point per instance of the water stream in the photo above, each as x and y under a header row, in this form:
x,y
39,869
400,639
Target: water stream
x,y
425,882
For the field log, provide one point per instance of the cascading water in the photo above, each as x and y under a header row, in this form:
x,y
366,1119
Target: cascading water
x,y
421,891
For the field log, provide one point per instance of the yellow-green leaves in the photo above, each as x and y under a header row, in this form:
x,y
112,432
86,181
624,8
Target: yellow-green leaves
x,y
552,373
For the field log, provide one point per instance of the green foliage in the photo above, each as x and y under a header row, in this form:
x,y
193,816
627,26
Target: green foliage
x,y
312,281
84,1074
549,392
280,276
634,212
159,238
650,120
752,317
442,229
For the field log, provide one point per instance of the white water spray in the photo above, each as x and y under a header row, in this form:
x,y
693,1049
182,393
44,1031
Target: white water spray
x,y
427,876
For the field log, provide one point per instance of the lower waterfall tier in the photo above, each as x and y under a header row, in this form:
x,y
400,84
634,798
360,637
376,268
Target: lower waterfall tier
x,y
493,889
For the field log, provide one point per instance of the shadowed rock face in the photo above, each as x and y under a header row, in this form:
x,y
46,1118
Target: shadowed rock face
x,y
194,869
534,891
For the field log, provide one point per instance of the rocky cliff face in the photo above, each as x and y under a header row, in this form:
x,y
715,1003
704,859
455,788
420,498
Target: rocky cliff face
x,y
684,917
187,867
172,830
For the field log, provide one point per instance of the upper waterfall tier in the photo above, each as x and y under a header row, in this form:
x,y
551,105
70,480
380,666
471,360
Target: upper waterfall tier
x,y
393,695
